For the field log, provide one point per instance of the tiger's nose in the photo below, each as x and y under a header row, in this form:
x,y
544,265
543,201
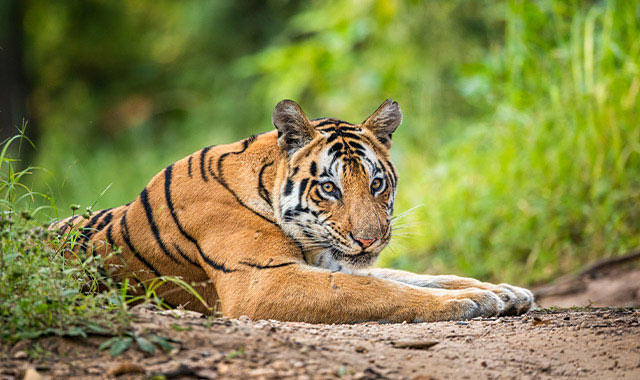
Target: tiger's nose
x,y
364,243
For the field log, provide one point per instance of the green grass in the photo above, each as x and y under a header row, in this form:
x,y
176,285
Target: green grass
x,y
48,287
40,291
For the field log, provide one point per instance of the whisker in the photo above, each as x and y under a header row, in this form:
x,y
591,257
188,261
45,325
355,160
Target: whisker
x,y
405,213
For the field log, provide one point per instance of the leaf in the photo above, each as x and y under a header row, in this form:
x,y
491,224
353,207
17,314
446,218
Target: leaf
x,y
76,331
233,354
69,292
31,334
162,342
54,332
97,329
41,308
145,345
120,346
108,343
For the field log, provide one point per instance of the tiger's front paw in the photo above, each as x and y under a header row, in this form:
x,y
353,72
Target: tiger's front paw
x,y
517,300
473,302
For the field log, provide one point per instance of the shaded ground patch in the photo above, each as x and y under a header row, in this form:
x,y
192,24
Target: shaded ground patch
x,y
610,282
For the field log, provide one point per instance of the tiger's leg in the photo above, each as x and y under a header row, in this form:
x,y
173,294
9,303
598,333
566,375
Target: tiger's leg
x,y
517,300
296,292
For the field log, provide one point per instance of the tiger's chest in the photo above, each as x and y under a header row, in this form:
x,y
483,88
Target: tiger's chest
x,y
326,260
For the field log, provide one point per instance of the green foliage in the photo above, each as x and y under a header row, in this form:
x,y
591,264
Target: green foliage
x,y
48,286
236,353
147,80
521,135
40,292
119,344
551,179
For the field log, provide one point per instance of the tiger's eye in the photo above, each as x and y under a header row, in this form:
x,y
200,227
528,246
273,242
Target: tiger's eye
x,y
328,187
376,184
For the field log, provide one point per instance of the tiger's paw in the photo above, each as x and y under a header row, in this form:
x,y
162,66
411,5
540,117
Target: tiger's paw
x,y
472,302
517,300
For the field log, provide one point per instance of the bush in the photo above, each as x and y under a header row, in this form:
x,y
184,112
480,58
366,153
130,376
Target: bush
x,y
41,292
550,179
50,287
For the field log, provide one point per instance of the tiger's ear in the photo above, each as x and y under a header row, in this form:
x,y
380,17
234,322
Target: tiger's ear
x,y
294,128
384,121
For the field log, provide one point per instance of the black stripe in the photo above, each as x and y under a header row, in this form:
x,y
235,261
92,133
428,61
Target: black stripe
x,y
257,266
319,199
300,247
89,234
105,221
110,235
125,236
67,223
326,122
393,173
97,216
356,145
303,187
220,178
144,198
185,256
202,154
328,130
87,230
245,145
313,169
288,187
349,135
335,148
167,193
190,159
325,173
262,191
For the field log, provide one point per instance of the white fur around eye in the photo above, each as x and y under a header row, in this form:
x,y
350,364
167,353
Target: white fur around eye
x,y
378,185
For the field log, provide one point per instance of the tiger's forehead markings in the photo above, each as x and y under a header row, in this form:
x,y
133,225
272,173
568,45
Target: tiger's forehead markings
x,y
346,148
322,122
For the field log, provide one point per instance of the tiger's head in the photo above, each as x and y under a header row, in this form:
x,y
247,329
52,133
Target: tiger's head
x,y
338,185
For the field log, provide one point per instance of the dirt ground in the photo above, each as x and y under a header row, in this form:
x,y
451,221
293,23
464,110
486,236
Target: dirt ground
x,y
586,343
582,342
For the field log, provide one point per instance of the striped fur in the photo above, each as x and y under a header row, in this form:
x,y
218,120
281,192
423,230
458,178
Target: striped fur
x,y
283,225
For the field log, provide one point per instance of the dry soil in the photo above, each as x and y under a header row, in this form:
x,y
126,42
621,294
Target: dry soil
x,y
586,343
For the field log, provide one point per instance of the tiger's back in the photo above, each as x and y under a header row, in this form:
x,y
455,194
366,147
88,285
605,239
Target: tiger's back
x,y
197,198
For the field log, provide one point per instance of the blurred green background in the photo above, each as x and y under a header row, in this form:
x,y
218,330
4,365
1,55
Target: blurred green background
x,y
519,153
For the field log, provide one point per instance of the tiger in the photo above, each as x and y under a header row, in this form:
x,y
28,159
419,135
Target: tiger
x,y
285,225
